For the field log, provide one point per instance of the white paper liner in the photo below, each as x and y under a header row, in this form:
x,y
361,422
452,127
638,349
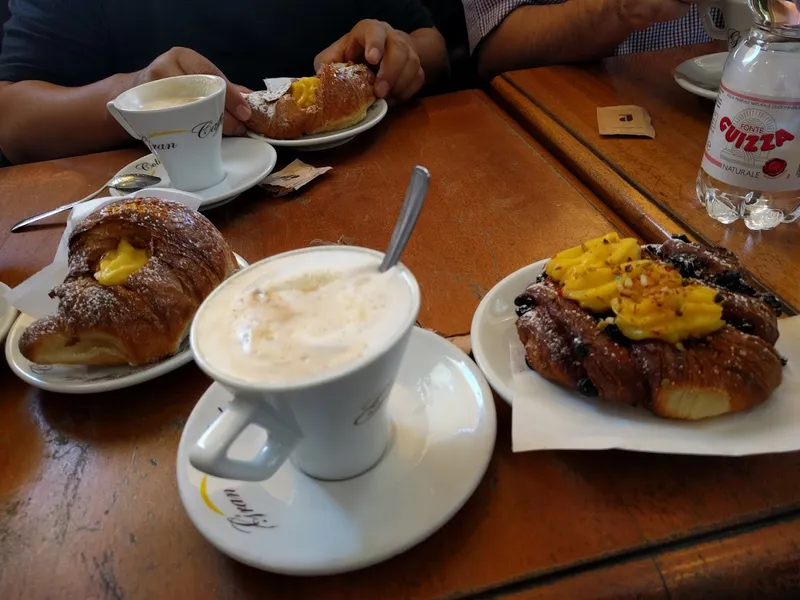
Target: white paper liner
x,y
276,87
548,417
31,296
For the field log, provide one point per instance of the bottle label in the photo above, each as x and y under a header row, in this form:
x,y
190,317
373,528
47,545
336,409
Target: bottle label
x,y
754,142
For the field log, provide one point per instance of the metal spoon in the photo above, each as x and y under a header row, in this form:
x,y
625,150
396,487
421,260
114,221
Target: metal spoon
x,y
132,182
409,213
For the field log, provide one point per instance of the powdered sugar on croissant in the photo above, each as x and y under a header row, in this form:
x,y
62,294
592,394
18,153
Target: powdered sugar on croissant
x,y
338,97
138,271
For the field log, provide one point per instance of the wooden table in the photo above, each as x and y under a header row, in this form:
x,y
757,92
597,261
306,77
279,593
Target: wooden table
x,y
88,502
650,183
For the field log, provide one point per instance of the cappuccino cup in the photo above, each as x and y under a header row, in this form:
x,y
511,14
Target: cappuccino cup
x,y
309,343
180,120
737,16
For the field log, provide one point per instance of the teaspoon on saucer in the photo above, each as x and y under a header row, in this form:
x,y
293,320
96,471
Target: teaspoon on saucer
x,y
132,182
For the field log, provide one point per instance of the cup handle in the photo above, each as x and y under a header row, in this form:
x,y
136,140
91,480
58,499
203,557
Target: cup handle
x,y
210,454
712,30
112,108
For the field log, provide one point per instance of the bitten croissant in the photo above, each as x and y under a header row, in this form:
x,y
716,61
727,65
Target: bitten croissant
x,y
138,271
337,97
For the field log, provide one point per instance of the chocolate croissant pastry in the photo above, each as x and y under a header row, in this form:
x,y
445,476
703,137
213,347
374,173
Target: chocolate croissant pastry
x,y
138,271
609,329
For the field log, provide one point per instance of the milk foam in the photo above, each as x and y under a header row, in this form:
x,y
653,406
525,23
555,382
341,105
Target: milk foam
x,y
302,316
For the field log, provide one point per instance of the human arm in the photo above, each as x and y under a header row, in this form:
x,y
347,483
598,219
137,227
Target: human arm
x,y
573,31
57,73
51,121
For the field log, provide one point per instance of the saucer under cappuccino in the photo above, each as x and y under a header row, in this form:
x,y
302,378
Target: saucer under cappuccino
x,y
310,342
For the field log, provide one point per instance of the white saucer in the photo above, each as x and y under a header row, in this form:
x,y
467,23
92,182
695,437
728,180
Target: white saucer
x,y
247,162
445,428
324,141
702,75
7,312
494,328
86,379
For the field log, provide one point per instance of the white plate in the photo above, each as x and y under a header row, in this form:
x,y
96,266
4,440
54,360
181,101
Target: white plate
x,y
702,75
7,312
552,417
494,328
86,379
247,162
445,426
323,141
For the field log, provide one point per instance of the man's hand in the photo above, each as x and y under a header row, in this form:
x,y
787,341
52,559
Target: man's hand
x,y
400,75
640,14
182,61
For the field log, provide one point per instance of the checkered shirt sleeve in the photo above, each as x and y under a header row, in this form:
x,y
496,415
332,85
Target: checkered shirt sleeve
x,y
483,16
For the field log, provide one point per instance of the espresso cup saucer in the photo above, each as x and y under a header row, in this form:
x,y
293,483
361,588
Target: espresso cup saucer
x,y
330,139
87,379
701,75
444,431
247,162
8,313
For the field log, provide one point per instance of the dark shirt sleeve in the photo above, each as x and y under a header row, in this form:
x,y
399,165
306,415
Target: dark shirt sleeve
x,y
64,42
405,15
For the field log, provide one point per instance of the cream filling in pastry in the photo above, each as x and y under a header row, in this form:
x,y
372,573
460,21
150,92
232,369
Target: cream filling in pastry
x,y
117,265
304,91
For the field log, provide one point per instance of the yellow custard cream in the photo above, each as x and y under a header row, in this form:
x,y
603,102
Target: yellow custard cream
x,y
304,91
117,265
302,315
650,300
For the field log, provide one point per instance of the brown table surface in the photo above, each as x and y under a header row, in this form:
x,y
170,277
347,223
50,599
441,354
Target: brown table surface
x,y
88,502
650,183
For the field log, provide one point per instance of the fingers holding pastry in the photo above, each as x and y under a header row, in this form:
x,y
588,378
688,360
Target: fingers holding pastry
x,y
333,53
400,74
185,61
403,75
237,110
368,40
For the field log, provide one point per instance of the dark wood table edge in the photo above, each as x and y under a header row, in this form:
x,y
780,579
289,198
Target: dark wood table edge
x,y
644,214
643,551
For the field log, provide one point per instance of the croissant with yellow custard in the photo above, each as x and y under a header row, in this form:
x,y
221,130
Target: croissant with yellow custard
x,y
673,328
138,271
337,97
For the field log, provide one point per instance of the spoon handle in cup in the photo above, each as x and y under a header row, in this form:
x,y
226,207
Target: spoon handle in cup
x,y
409,213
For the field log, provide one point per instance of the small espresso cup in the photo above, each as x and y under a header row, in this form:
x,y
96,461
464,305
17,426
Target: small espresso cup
x,y
332,426
738,19
180,120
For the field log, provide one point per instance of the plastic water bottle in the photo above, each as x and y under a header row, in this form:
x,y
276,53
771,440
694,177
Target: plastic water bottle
x,y
751,163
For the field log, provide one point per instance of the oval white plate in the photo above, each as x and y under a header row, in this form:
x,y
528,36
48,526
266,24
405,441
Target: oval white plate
x,y
247,162
494,328
444,433
331,139
7,312
87,379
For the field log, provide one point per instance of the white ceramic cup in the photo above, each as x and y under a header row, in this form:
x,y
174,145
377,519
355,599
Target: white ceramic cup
x,y
186,137
333,427
737,16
